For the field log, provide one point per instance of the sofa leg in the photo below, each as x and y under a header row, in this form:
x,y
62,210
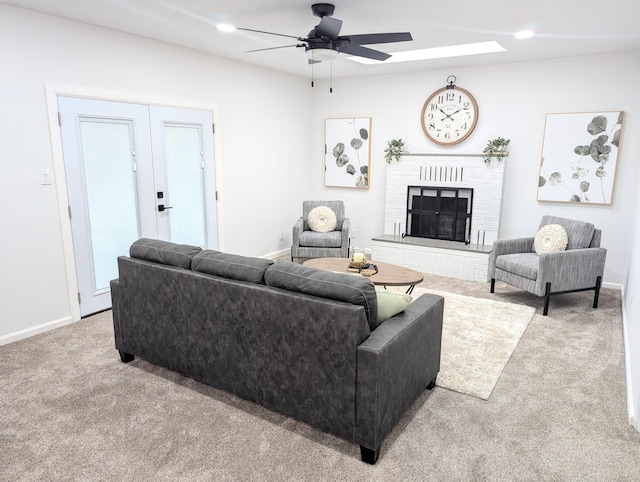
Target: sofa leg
x,y
493,285
597,295
432,384
547,295
369,456
125,357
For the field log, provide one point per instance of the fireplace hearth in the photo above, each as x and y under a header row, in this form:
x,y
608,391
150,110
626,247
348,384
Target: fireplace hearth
x,y
439,213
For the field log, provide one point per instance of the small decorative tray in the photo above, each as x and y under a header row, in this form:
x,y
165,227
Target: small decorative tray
x,y
358,264
365,269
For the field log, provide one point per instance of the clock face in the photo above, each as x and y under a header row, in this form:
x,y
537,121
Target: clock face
x,y
449,116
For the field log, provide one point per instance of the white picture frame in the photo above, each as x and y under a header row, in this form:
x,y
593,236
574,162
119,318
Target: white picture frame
x,y
348,152
580,157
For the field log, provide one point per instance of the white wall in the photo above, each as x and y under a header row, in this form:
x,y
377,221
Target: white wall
x,y
262,140
512,100
632,323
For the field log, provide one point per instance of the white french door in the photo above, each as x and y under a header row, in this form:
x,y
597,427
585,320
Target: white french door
x,y
133,171
183,166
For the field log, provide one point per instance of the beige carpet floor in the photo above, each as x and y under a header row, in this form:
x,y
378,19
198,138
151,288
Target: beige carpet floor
x,y
70,410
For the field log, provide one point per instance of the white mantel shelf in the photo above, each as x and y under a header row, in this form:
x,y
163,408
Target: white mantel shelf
x,y
440,154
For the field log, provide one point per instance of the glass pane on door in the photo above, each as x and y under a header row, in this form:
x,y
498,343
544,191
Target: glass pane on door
x,y
185,183
107,148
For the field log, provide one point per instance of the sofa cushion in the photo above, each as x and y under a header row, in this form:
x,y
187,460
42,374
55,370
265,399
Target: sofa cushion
x,y
521,264
233,266
164,252
326,284
332,239
390,303
322,219
550,238
579,233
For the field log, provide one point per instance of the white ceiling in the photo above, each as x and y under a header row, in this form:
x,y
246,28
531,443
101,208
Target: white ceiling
x,y
563,27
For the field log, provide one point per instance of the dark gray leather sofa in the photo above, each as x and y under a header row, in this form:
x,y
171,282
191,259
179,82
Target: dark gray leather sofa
x,y
300,341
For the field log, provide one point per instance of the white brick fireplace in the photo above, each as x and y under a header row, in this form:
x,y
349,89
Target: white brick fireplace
x,y
445,258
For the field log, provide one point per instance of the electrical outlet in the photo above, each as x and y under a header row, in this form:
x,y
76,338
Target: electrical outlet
x,y
281,235
354,233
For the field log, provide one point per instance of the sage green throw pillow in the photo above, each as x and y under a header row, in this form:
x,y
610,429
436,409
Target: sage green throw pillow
x,y
391,303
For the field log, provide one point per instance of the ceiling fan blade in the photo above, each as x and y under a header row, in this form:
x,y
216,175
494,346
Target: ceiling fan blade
x,y
359,51
377,38
273,48
269,33
329,27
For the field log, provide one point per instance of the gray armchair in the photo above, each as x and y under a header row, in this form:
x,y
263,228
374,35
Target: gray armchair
x,y
310,244
580,267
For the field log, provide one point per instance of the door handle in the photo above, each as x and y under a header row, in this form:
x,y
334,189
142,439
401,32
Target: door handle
x,y
162,207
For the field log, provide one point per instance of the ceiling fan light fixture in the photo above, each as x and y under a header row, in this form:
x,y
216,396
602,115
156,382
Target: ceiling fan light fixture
x,y
322,54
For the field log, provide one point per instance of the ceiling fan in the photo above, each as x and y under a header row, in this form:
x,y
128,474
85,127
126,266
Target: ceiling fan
x,y
324,43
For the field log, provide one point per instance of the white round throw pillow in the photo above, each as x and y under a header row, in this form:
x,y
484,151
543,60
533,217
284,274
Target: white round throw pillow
x,y
322,219
551,238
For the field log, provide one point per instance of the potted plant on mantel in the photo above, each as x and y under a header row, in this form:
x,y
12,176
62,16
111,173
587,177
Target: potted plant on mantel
x,y
497,148
393,150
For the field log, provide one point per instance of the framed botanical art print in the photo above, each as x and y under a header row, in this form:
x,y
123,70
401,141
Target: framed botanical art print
x,y
347,152
580,157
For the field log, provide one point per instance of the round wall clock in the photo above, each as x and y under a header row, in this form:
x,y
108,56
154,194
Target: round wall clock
x,y
449,115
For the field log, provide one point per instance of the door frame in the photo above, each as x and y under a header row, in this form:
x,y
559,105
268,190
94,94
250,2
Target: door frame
x,y
52,91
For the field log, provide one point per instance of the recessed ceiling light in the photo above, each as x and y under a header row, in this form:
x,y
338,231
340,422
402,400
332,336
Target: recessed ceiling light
x,y
436,53
226,27
524,34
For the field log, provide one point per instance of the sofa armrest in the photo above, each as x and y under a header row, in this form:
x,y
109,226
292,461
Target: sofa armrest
x,y
298,227
395,364
573,269
508,246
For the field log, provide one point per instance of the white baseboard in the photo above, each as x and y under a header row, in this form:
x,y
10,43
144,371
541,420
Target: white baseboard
x,y
613,286
277,254
26,333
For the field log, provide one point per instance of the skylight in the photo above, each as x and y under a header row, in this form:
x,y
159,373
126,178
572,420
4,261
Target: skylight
x,y
436,53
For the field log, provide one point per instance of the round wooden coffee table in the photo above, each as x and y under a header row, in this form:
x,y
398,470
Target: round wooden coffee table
x,y
387,275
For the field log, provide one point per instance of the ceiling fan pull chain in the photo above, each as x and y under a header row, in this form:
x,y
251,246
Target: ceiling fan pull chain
x,y
331,79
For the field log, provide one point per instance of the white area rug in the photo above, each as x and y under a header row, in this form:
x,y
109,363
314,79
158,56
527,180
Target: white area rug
x,y
478,338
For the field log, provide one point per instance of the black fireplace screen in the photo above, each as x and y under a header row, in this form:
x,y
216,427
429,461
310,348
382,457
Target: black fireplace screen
x,y
439,212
